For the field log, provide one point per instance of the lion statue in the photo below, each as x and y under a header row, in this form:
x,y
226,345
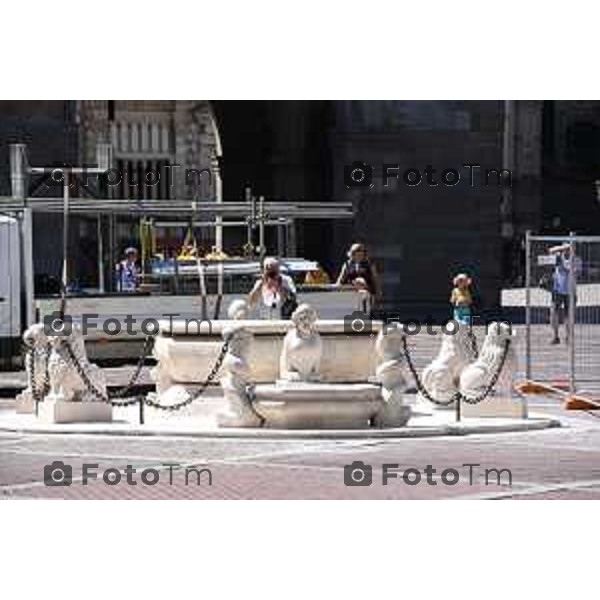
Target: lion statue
x,y
66,384
441,377
302,347
478,375
238,310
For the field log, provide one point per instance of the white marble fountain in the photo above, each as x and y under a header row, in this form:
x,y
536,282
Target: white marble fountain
x,y
303,373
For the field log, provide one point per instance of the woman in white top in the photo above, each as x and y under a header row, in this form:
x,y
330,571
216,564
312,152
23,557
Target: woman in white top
x,y
277,292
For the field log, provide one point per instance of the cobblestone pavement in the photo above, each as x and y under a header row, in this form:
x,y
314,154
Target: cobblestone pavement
x,y
555,463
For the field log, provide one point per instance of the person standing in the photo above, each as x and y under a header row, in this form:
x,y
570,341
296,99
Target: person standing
x,y
461,298
565,266
276,291
360,273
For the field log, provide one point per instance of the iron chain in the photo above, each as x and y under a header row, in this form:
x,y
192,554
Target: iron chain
x,y
38,395
422,389
91,388
133,379
458,395
149,402
473,339
211,376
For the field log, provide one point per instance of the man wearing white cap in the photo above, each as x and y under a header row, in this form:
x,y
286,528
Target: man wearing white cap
x,y
128,271
277,291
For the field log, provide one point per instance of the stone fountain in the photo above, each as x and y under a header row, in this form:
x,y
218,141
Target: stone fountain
x,y
298,398
304,373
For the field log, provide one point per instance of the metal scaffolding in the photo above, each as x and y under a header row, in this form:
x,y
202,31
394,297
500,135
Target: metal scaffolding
x,y
252,213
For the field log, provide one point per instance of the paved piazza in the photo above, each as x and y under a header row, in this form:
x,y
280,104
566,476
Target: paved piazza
x,y
555,463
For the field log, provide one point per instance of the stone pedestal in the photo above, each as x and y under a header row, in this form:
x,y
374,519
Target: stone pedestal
x,y
494,406
393,414
59,411
24,403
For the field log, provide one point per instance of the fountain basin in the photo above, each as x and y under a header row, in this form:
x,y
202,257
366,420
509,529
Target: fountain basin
x,y
307,405
185,355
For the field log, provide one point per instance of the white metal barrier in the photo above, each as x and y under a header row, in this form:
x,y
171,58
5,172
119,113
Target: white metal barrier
x,y
562,311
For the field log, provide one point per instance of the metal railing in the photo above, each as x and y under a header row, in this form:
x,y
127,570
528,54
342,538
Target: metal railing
x,y
562,311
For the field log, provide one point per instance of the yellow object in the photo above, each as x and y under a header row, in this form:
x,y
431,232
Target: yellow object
x,y
317,277
189,240
147,234
461,297
187,253
215,254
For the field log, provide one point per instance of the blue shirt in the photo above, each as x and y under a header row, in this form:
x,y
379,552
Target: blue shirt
x,y
562,274
129,275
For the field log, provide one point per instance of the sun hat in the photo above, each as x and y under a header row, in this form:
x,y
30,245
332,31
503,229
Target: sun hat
x,y
462,277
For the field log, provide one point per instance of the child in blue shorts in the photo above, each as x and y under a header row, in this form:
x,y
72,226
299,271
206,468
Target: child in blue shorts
x,y
461,298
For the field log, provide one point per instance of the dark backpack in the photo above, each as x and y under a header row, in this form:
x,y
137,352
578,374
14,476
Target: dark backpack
x,y
288,306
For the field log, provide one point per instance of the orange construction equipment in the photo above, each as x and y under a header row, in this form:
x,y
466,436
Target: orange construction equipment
x,y
577,402
529,386
571,401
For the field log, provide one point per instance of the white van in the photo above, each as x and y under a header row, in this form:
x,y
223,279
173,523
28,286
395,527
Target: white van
x,y
10,290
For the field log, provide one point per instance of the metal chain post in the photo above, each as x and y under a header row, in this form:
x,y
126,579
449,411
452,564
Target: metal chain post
x,y
528,304
572,309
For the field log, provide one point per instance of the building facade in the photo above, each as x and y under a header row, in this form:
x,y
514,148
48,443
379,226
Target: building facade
x,y
419,235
